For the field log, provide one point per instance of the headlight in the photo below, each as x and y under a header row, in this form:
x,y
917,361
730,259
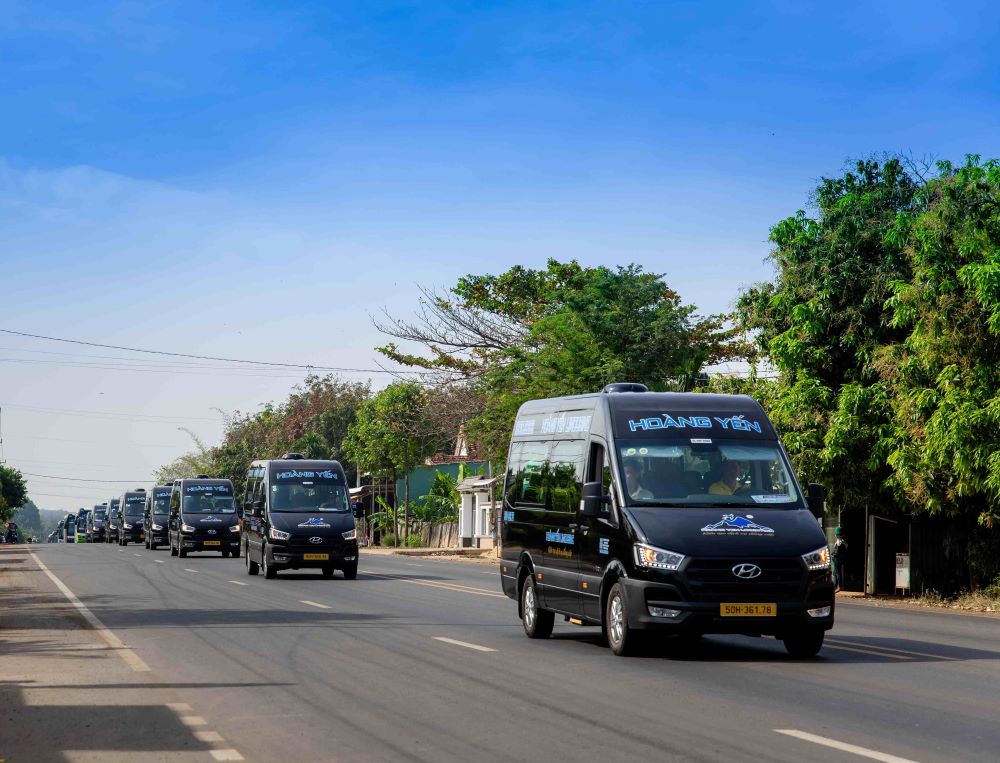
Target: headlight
x,y
128,526
157,527
234,529
350,534
657,558
280,534
184,528
818,559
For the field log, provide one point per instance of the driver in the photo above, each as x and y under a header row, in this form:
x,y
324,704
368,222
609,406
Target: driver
x,y
728,481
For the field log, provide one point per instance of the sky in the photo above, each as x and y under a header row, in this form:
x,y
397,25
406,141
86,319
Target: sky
x,y
256,180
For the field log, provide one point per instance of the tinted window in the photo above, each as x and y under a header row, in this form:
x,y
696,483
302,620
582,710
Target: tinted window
x,y
566,475
208,499
307,491
531,482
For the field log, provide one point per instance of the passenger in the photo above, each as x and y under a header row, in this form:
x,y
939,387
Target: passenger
x,y
728,482
666,479
633,481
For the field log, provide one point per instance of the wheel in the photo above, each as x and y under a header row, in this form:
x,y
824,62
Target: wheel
x,y
328,572
173,550
252,567
269,571
225,554
622,639
152,547
351,571
804,643
123,543
181,551
537,622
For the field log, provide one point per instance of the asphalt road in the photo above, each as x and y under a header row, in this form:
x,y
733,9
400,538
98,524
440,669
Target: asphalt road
x,y
421,659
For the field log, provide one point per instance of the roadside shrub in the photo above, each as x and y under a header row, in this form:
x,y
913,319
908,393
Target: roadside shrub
x,y
388,540
413,540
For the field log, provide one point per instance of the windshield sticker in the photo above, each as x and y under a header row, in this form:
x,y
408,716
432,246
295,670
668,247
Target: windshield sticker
x,y
734,423
733,524
524,426
293,474
557,537
701,441
772,498
314,522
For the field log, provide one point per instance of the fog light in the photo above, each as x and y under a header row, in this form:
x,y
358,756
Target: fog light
x,y
350,558
663,612
280,558
819,612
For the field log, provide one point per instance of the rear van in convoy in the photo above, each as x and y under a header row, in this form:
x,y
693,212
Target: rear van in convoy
x,y
297,515
111,523
69,529
130,520
203,517
661,513
155,514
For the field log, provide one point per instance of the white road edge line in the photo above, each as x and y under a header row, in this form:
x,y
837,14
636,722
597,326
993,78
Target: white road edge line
x,y
236,582
466,644
131,658
864,752
314,604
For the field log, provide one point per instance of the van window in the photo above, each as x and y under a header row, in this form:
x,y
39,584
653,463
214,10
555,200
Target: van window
x,y
532,478
308,491
566,474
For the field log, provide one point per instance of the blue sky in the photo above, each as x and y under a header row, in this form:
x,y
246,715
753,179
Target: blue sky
x,y
253,179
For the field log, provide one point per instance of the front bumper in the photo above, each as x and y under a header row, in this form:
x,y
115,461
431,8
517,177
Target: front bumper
x,y
705,616
221,542
158,536
135,535
338,555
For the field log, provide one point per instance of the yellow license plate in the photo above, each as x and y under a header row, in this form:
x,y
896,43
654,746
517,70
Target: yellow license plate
x,y
748,610
315,557
211,543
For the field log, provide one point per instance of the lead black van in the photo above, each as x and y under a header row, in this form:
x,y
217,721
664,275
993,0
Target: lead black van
x,y
661,513
203,517
297,515
155,515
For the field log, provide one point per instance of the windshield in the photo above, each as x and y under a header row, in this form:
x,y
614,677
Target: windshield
x,y
99,513
308,491
691,473
70,525
161,503
134,508
208,499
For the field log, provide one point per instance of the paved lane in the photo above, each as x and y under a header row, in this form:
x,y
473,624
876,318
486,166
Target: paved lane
x,y
425,660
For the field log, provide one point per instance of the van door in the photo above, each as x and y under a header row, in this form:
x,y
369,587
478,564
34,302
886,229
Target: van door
x,y
253,521
599,536
561,553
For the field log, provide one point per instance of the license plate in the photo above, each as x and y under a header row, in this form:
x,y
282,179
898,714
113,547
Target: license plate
x,y
748,610
211,543
315,557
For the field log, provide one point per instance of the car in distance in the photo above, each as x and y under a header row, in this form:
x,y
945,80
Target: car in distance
x,y
112,520
203,517
130,520
297,515
156,513
661,513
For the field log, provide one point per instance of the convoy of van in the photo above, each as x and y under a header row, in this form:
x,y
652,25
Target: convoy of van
x,y
647,514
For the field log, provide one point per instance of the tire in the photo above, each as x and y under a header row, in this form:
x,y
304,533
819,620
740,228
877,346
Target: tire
x,y
270,573
225,554
123,543
181,551
152,547
804,643
173,551
537,622
351,572
252,567
327,572
623,640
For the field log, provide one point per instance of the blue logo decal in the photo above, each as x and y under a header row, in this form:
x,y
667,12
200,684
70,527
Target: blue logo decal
x,y
554,537
733,524
603,544
314,522
733,423
211,519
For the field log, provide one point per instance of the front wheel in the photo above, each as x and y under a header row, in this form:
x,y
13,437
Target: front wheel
x,y
270,573
804,643
181,551
351,572
537,622
252,567
622,639
173,549
327,572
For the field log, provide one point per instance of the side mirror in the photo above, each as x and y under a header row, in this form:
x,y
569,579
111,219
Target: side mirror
x,y
816,500
594,499
257,507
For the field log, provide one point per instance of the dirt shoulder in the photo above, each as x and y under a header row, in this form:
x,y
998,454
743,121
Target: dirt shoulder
x,y
957,606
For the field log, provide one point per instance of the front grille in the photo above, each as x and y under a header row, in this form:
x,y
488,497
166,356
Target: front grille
x,y
712,579
332,543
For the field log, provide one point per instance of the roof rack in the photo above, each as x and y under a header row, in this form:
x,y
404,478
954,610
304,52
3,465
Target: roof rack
x,y
625,387
292,456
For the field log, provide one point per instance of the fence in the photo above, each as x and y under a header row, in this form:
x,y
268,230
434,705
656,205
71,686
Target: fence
x,y
438,536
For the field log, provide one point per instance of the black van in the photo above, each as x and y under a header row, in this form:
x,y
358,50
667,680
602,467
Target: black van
x,y
112,521
155,514
666,513
203,517
69,529
297,514
130,519
96,527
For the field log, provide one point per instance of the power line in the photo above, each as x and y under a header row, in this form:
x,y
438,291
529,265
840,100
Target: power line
x,y
199,357
152,418
81,479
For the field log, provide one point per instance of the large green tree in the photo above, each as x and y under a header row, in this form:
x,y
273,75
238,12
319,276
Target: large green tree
x,y
13,492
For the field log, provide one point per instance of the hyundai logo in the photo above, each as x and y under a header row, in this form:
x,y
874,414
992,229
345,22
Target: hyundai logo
x,y
315,539
210,532
746,571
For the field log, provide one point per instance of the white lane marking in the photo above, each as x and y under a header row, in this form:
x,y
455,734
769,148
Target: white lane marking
x,y
314,604
444,586
192,720
136,554
131,658
208,736
859,650
408,564
907,652
466,644
236,582
179,707
229,754
864,752
188,569
158,561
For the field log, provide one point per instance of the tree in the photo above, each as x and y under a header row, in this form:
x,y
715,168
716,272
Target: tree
x,y
13,491
28,518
